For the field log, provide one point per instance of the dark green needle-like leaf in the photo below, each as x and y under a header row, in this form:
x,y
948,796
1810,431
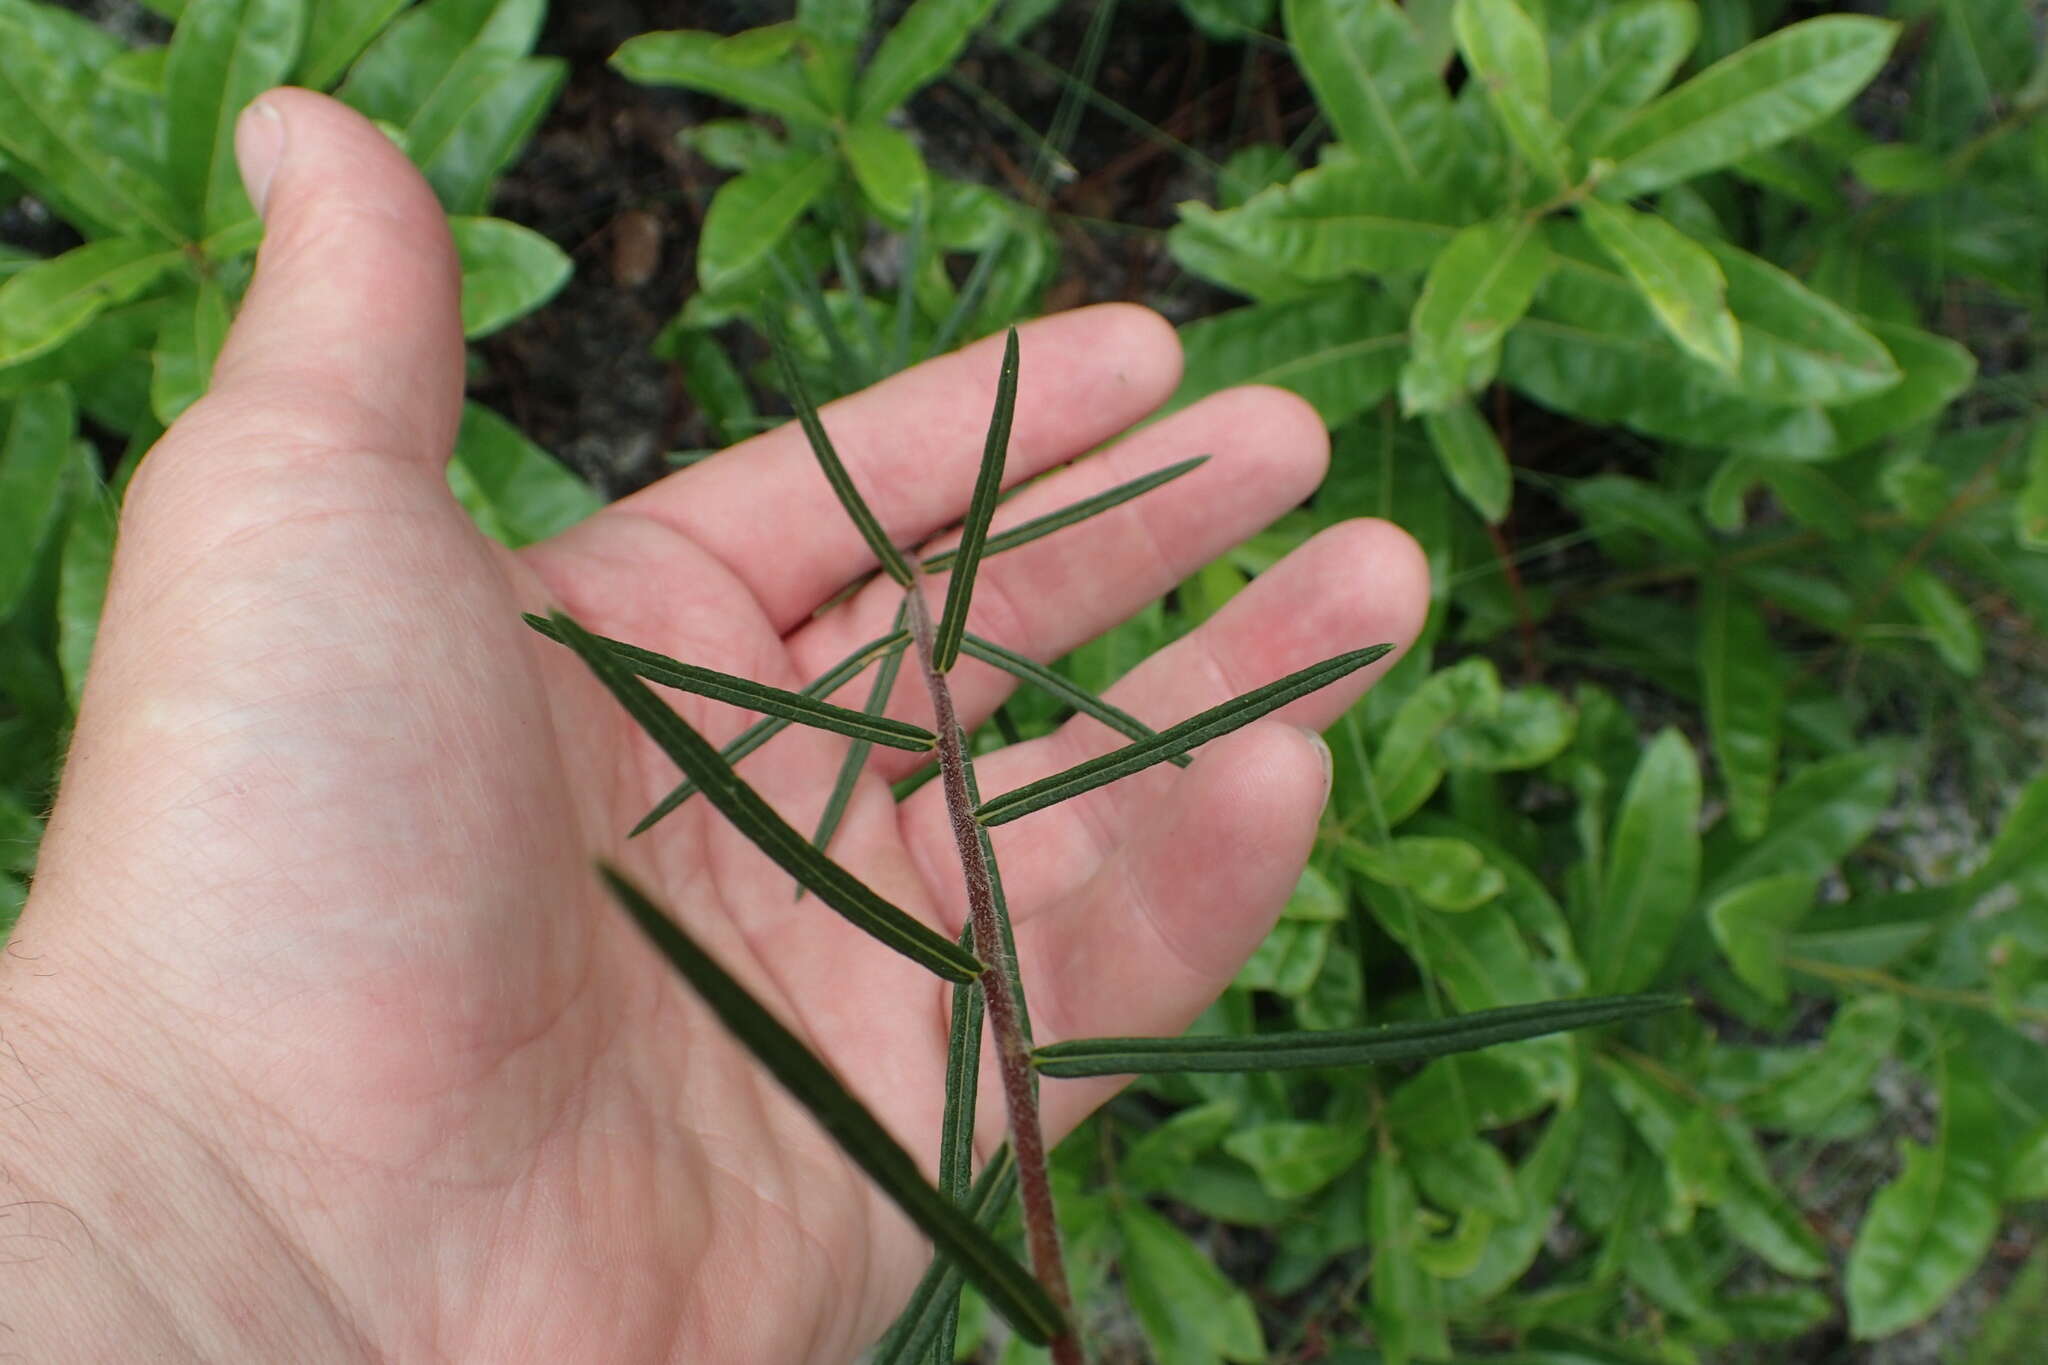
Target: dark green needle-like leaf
x,y
1025,532
828,458
856,756
917,1327
774,701
756,819
1008,1287
981,509
1008,959
956,1129
1407,1042
1190,733
1064,689
761,731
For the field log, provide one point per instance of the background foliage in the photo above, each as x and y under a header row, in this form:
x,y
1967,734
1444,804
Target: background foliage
x,y
1698,344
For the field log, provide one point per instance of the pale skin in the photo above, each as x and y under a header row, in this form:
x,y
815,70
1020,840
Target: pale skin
x,y
319,1039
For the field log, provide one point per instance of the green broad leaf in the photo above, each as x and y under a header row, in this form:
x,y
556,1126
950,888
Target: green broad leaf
x,y
753,696
2030,512
1513,1248
1023,533
887,166
1416,1040
733,144
917,50
1008,1286
1190,1314
515,489
1504,51
1288,961
507,272
87,562
1344,217
139,69
1771,90
758,46
1477,288
2026,1174
1823,813
1936,372
2022,841
692,60
1798,346
1189,734
766,830
1741,678
911,1340
1927,1230
857,511
1341,351
765,729
44,305
1755,1211
35,459
1678,278
1532,726
1819,1083
1468,1173
1652,872
223,55
1407,1302
188,341
337,31
1444,873
981,510
1472,459
1947,621
1617,61
1294,1159
1063,689
1410,761
85,145
1373,77
1901,168
1316,899
1162,1158
836,21
422,60
1753,923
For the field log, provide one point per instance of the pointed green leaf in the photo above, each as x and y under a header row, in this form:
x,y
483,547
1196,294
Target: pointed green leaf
x,y
1797,345
1008,1286
1178,739
1653,865
761,731
1821,1082
1936,371
1476,290
1407,1302
507,272
1073,514
918,1326
956,1134
1678,278
1472,459
1410,761
766,830
752,213
850,767
887,166
1064,689
836,473
1752,923
188,341
1186,1308
1504,50
1372,75
923,44
1467,1173
1340,350
528,494
223,55
1946,619
1406,1042
1745,695
35,457
82,584
46,303
981,509
738,691
692,60
1823,813
337,31
1618,60
1444,873
1771,90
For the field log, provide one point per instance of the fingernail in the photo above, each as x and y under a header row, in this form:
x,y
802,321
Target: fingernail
x,y
1323,754
259,149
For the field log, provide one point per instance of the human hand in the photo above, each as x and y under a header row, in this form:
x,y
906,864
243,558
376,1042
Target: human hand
x,y
325,1041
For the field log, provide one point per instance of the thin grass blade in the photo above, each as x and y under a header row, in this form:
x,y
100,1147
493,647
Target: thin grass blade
x,y
1407,1042
1179,739
1063,689
774,701
828,458
917,1327
856,756
1025,532
1008,1286
981,509
767,831
804,290
906,282
970,296
761,731
856,290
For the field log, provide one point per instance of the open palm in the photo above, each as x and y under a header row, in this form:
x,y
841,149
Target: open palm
x,y
316,911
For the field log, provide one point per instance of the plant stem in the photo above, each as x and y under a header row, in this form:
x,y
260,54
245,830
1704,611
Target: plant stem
x,y
1013,1054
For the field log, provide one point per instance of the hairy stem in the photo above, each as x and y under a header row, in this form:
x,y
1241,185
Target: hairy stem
x,y
1013,1052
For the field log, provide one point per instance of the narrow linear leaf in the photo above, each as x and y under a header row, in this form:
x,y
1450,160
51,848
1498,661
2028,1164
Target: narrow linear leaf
x,y
751,214
1745,697
223,54
1373,76
738,691
828,458
1405,1042
769,832
1063,689
1617,61
693,60
1008,1286
883,688
981,509
918,1325
1194,731
956,1130
761,731
1074,513
43,304
1504,50
1472,459
1006,958
1653,867
923,43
